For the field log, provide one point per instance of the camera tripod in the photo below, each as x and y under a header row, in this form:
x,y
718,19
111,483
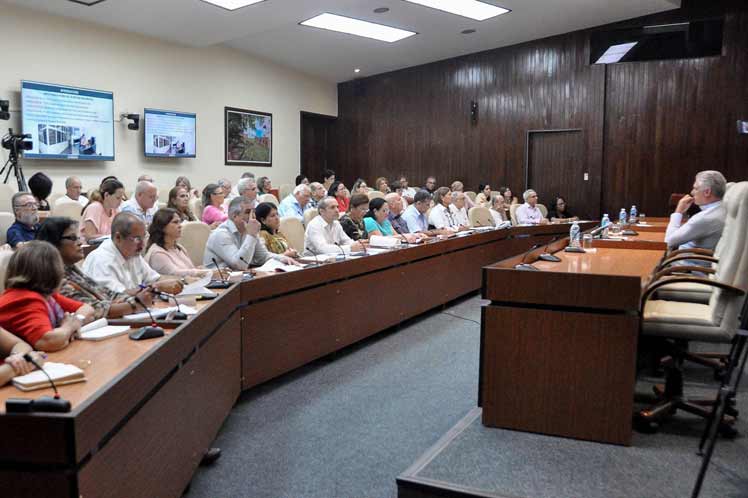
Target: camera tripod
x,y
12,166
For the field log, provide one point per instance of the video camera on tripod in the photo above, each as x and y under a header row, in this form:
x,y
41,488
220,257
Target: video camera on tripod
x,y
14,143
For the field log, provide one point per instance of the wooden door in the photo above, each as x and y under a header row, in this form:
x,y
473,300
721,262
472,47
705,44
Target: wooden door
x,y
557,165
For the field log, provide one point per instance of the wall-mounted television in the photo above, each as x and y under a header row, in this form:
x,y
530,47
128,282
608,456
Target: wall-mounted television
x,y
169,133
67,122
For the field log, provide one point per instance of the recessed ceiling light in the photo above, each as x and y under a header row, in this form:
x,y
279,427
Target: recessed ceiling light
x,y
357,70
357,27
467,31
381,10
232,4
87,3
480,11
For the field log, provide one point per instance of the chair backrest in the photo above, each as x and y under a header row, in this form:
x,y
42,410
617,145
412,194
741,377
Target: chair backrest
x,y
268,198
52,199
163,195
733,258
196,206
6,197
293,230
5,255
471,194
194,237
6,220
513,213
543,210
309,214
284,190
375,194
68,209
480,216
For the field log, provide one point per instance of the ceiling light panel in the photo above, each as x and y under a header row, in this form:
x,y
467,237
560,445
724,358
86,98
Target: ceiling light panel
x,y
480,11
232,4
357,27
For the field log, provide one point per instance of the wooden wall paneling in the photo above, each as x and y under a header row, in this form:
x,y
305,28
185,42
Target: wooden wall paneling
x,y
317,144
157,451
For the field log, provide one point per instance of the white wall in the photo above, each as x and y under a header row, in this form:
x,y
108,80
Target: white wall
x,y
145,72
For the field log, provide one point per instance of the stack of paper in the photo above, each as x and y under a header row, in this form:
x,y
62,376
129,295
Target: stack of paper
x,y
100,329
382,241
197,288
273,265
161,312
61,374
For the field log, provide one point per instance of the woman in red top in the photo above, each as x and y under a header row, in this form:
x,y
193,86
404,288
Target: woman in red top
x,y
31,308
341,194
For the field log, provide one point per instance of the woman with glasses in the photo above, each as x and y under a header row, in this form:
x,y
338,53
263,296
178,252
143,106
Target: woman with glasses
x,y
353,221
63,234
103,206
31,306
213,211
165,254
559,212
179,200
184,182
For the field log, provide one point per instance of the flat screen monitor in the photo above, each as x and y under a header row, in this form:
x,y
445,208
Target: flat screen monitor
x,y
169,133
67,122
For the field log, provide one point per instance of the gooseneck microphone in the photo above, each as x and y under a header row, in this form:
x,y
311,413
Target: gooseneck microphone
x,y
316,259
546,256
220,273
245,262
218,284
341,250
524,265
178,315
44,403
147,332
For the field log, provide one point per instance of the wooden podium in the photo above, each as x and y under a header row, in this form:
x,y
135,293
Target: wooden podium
x,y
558,346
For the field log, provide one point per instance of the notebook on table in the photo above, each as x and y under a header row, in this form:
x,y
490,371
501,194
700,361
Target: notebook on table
x,y
61,373
100,329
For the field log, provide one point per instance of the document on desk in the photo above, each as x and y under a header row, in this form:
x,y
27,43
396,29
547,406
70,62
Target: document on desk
x,y
161,312
198,287
373,251
100,329
61,373
273,265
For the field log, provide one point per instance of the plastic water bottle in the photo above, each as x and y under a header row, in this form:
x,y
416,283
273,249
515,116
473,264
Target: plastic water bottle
x,y
605,224
632,215
622,217
575,235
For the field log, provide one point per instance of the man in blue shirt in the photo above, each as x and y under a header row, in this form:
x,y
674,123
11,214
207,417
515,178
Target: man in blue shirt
x,y
295,202
415,214
26,210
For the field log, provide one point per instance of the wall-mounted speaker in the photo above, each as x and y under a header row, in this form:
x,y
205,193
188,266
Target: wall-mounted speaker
x,y
474,112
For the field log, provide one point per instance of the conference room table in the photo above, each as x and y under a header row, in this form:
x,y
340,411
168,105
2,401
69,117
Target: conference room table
x,y
149,410
558,345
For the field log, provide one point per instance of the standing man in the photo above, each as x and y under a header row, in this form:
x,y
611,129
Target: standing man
x,y
705,227
143,203
73,189
26,210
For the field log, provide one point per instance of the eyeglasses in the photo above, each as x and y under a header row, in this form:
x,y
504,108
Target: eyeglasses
x,y
71,238
28,205
137,240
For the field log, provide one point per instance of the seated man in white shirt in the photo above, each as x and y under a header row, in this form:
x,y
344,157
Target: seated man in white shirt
x,y
235,242
704,229
441,217
296,202
325,235
408,193
459,208
118,263
73,189
528,213
143,203
247,188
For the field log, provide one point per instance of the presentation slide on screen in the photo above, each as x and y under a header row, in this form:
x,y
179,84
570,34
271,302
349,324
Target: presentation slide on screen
x,y
67,122
169,134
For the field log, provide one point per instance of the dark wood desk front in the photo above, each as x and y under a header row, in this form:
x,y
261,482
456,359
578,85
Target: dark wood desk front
x,y
149,410
558,346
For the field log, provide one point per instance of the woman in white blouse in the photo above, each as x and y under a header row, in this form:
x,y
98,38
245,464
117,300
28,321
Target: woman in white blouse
x,y
165,254
441,217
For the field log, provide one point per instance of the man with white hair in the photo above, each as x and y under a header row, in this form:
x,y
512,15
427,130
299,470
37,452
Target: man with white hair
x,y
295,203
73,189
247,188
324,233
704,228
459,209
143,203
318,193
145,178
528,213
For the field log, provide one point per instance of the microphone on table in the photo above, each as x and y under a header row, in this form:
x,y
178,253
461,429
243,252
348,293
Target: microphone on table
x,y
247,272
218,284
178,315
341,250
524,265
220,273
148,332
316,259
245,262
546,256
44,403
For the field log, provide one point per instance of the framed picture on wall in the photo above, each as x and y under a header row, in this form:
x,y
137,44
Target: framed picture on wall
x,y
248,136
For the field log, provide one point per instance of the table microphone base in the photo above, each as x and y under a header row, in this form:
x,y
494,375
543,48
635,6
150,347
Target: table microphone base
x,y
149,332
525,267
574,249
549,257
